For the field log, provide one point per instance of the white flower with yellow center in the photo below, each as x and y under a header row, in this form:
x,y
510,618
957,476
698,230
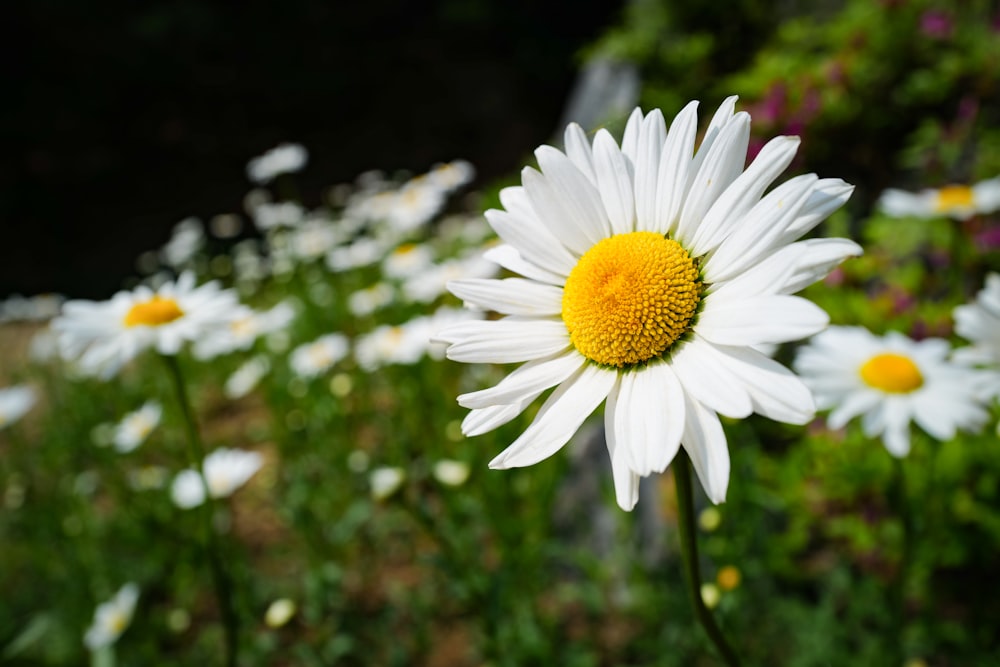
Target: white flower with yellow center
x,y
979,322
104,335
311,359
15,402
226,470
889,382
112,618
242,329
952,201
650,273
136,426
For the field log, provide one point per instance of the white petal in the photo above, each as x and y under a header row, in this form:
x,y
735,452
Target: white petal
x,y
648,417
578,151
630,138
775,391
509,340
510,296
722,164
852,405
706,378
483,420
762,319
818,258
761,230
530,379
559,417
509,258
674,172
743,194
625,479
582,212
705,442
722,117
896,433
532,240
614,182
652,137
829,195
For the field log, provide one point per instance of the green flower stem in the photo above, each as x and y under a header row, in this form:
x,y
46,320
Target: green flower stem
x,y
689,551
898,587
213,548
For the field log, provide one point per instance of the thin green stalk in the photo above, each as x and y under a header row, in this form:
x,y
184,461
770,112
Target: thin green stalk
x,y
196,455
898,587
689,551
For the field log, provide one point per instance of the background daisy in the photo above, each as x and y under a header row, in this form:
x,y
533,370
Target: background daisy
x,y
891,381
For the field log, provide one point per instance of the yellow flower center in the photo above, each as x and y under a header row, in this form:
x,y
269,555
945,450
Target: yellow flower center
x,y
892,373
629,298
953,197
153,313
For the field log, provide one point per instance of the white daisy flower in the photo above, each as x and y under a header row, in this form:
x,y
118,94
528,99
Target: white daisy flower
x,y
112,618
314,238
136,426
953,201
450,472
268,215
891,381
243,328
363,252
366,301
225,471
407,260
102,336
428,285
15,402
452,175
285,158
979,322
385,481
186,240
413,205
650,273
246,377
311,359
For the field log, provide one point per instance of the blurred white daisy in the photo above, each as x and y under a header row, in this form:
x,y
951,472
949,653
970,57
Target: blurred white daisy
x,y
242,329
385,481
285,158
366,301
889,382
426,286
226,470
311,359
112,618
104,335
450,472
279,612
362,252
407,260
269,215
979,322
953,201
314,238
245,378
186,239
135,427
451,175
15,402
651,272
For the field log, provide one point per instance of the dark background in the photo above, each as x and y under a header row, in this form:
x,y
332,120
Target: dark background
x,y
124,117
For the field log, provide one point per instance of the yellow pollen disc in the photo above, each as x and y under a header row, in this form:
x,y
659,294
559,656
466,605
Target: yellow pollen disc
x,y
952,197
892,373
153,313
629,298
